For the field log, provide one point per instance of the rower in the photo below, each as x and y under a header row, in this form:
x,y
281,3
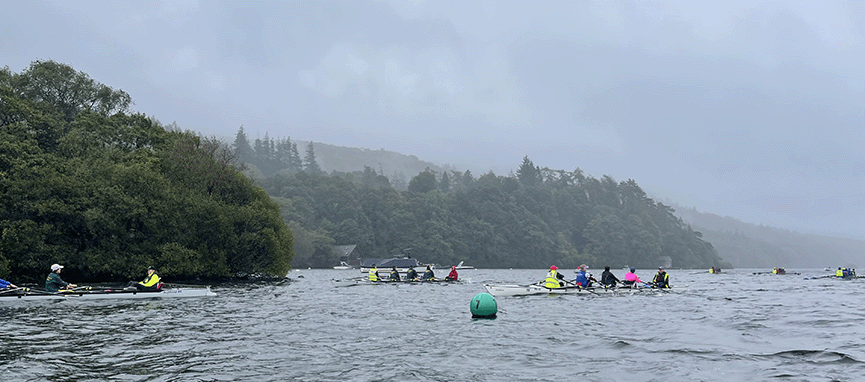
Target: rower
x,y
429,274
584,279
411,275
150,283
394,274
453,276
373,274
53,283
608,278
553,277
5,284
631,278
662,279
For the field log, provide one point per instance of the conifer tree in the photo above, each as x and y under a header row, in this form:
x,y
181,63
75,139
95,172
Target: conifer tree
x,y
310,165
244,151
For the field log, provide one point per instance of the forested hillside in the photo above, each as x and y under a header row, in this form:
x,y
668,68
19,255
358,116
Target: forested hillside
x,y
533,219
265,156
753,246
106,193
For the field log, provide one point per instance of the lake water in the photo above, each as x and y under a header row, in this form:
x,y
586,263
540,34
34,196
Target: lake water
x,y
733,326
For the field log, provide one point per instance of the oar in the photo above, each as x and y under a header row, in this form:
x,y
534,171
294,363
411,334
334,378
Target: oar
x,y
13,289
36,291
75,289
574,283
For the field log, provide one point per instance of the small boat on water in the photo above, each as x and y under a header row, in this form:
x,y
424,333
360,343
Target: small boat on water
x,y
343,265
533,289
401,264
461,266
363,281
106,294
777,271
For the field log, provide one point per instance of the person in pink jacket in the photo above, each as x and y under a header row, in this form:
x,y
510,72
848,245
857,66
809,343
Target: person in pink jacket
x,y
631,279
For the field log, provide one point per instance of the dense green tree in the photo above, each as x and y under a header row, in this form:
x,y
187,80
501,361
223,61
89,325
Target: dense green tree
x,y
423,182
445,183
529,174
107,193
565,219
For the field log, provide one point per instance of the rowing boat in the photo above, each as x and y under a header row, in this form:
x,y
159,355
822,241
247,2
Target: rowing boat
x,y
364,281
107,294
532,289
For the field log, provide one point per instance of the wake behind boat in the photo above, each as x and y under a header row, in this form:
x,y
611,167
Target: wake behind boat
x,y
106,294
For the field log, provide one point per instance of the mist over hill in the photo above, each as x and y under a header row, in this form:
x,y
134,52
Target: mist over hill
x,y
757,246
742,244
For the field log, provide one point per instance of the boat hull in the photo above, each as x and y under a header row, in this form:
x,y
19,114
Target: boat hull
x,y
353,282
534,289
111,295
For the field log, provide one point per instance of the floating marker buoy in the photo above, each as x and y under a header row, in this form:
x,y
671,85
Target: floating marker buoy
x,y
484,306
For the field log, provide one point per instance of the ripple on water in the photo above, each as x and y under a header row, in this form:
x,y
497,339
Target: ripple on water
x,y
729,327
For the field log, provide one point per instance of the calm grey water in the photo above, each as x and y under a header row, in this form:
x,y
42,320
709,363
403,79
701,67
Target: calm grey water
x,y
733,326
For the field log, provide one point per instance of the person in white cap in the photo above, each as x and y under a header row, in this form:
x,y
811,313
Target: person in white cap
x,y
54,283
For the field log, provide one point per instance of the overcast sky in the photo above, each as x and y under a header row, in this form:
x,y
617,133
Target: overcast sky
x,y
745,109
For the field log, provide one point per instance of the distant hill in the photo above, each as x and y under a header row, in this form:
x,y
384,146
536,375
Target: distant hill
x,y
747,245
398,168
348,159
741,244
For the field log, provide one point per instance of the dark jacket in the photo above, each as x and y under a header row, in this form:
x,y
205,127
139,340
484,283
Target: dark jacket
x,y
54,283
411,275
662,280
609,279
429,274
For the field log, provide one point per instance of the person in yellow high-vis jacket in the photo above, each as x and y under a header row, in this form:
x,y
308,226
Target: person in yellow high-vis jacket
x,y
150,283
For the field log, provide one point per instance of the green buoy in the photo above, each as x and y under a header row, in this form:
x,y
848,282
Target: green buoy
x,y
484,306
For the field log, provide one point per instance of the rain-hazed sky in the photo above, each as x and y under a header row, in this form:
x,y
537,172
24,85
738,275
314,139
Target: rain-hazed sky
x,y
754,110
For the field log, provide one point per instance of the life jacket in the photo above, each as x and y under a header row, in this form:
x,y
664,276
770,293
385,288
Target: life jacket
x,y
662,281
582,279
552,280
151,280
839,273
373,274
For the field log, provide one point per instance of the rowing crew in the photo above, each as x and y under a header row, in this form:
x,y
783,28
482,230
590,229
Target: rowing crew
x,y
54,283
411,275
845,272
608,279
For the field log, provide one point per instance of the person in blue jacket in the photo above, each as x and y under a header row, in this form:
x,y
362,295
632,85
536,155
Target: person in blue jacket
x,y
584,279
5,284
